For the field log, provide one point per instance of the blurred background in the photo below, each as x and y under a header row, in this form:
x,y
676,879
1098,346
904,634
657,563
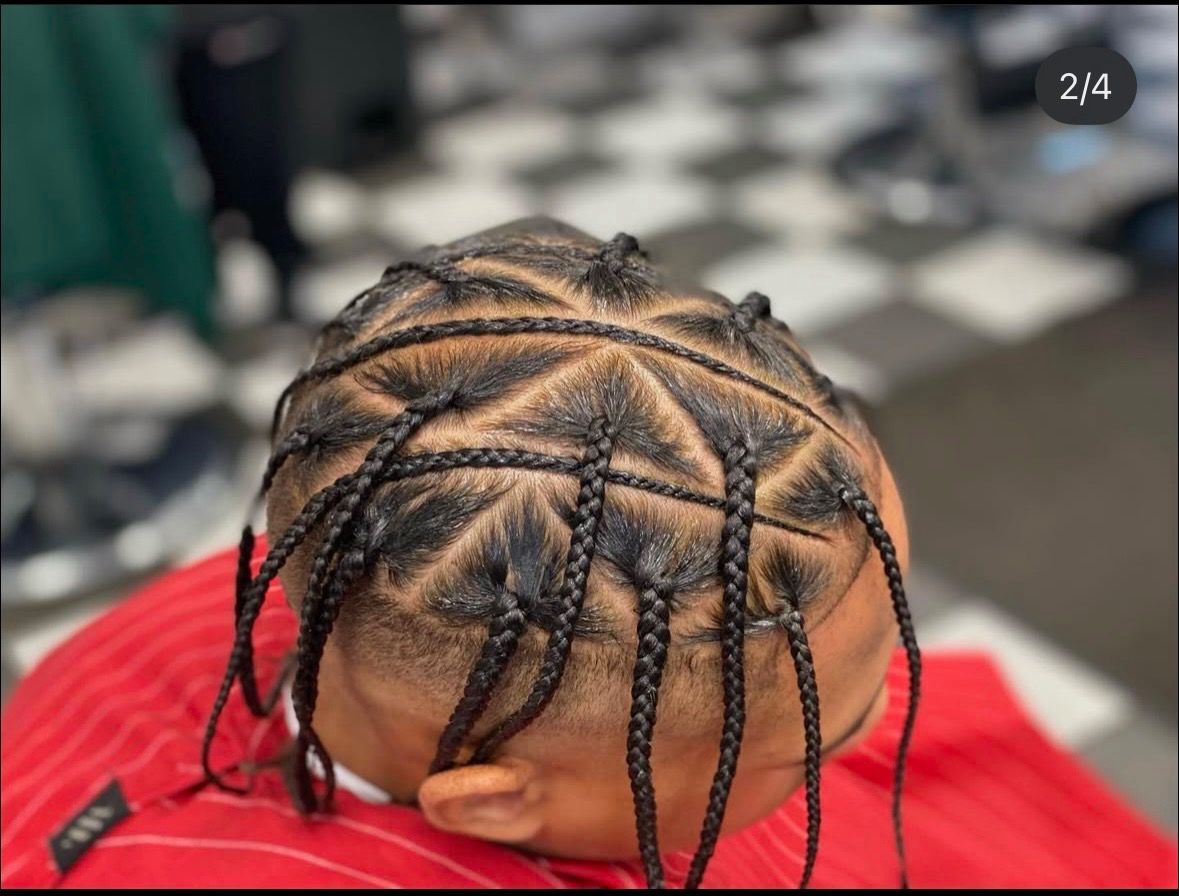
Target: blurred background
x,y
189,192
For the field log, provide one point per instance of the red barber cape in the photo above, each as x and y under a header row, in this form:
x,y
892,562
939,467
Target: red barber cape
x,y
102,785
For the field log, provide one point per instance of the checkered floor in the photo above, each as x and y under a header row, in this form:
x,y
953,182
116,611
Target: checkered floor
x,y
717,159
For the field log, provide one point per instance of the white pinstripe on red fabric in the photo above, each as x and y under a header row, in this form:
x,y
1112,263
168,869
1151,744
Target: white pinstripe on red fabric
x,y
141,840
16,825
360,827
119,702
52,701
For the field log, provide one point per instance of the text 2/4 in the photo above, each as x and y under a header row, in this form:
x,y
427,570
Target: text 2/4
x,y
1099,88
1086,85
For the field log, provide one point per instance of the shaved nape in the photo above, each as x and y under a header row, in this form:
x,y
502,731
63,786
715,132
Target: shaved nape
x,y
645,404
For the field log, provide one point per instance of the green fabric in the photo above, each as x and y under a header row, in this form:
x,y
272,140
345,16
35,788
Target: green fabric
x,y
89,169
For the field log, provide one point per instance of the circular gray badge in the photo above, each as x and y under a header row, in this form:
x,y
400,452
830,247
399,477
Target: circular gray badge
x,y
1086,85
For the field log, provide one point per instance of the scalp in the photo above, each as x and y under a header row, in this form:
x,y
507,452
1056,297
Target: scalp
x,y
539,392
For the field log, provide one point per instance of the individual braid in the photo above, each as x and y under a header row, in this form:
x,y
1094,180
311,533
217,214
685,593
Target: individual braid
x,y
245,554
588,515
502,639
654,638
252,597
808,693
866,511
319,609
740,471
297,441
349,569
247,607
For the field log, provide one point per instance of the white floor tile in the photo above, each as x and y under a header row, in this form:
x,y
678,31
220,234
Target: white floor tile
x,y
492,139
805,204
443,78
809,288
812,128
724,67
325,206
674,126
440,208
640,201
1012,285
848,371
185,373
320,293
569,76
253,388
867,56
1073,702
248,284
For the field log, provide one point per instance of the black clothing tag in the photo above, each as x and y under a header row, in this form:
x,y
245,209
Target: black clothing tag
x,y
101,814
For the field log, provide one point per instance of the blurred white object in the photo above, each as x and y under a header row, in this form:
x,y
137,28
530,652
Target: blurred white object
x,y
641,200
325,206
817,126
673,127
498,137
702,66
864,57
560,26
810,288
1011,284
159,370
248,283
320,293
441,208
802,204
38,409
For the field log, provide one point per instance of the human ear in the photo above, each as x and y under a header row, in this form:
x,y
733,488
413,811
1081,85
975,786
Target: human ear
x,y
499,801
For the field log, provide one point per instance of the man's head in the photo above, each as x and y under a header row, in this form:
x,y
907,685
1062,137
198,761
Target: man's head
x,y
530,499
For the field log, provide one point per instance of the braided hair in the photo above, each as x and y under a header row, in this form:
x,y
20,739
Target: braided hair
x,y
600,401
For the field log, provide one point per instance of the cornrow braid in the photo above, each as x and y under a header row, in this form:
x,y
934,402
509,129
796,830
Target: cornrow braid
x,y
740,471
591,500
509,326
866,511
654,638
503,636
808,693
349,569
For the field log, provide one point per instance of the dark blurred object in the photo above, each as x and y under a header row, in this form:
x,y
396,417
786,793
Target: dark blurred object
x,y
233,79
267,90
97,187
1003,45
352,85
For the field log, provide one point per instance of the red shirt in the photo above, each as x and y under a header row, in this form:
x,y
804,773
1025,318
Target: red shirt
x,y
989,801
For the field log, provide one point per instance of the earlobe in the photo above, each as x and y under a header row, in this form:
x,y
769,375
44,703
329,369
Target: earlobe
x,y
500,801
